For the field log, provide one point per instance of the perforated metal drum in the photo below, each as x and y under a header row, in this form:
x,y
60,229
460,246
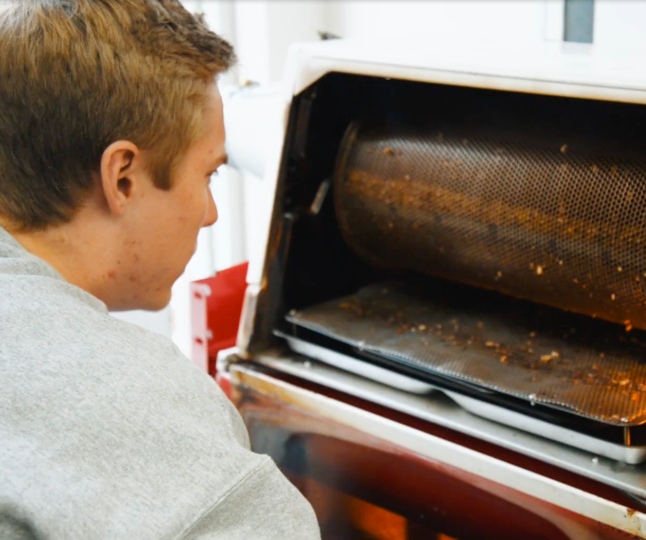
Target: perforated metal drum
x,y
561,223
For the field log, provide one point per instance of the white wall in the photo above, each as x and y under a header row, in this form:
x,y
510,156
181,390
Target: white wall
x,y
620,25
159,322
470,20
264,30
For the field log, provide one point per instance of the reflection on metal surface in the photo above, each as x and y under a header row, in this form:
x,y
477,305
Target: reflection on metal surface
x,y
248,318
439,410
511,483
321,194
624,453
385,376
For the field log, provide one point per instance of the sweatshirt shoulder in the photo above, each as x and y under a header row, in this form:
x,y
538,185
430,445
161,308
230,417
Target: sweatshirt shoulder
x,y
264,505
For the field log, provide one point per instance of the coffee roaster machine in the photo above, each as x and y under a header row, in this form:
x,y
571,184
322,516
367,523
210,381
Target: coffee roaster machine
x,y
445,336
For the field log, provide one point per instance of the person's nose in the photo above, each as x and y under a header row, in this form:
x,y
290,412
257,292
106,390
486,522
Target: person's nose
x,y
211,215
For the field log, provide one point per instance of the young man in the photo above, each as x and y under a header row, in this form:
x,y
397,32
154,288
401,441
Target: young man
x,y
110,129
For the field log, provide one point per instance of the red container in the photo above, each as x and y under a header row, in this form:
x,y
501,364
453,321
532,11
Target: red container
x,y
216,306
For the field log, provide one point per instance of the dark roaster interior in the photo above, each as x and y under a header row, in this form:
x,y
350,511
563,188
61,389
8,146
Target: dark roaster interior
x,y
492,243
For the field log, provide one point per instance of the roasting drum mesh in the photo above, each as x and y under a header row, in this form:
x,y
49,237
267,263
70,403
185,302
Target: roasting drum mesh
x,y
551,221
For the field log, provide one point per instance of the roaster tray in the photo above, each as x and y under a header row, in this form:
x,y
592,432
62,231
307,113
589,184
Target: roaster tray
x,y
535,359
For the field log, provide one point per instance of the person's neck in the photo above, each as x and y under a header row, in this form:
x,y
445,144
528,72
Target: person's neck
x,y
74,250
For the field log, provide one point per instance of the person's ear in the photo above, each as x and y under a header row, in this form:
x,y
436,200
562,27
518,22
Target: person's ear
x,y
121,169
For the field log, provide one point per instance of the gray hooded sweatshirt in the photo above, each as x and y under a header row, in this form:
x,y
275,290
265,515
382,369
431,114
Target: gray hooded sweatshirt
x,y
108,431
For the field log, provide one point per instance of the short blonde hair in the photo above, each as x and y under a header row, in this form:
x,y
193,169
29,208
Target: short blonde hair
x,y
78,75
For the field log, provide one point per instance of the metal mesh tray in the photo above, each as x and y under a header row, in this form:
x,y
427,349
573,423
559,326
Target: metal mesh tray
x,y
538,354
